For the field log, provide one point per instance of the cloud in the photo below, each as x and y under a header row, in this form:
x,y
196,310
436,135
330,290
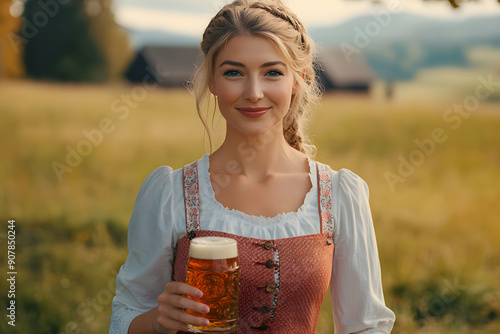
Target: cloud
x,y
184,23
190,17
328,12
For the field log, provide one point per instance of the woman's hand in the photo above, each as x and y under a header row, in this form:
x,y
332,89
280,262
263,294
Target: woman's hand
x,y
171,304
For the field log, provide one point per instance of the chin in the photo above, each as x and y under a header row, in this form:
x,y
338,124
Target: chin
x,y
259,130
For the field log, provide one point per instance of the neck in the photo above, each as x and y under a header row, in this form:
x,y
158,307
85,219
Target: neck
x,y
256,156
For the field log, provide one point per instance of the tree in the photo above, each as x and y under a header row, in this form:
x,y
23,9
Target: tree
x,y
456,3
59,43
10,53
72,40
110,37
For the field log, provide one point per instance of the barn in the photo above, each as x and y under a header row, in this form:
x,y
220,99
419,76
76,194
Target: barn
x,y
338,73
173,66
169,66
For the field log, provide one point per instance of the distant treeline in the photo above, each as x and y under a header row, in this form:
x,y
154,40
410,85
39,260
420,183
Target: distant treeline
x,y
400,61
70,40
397,45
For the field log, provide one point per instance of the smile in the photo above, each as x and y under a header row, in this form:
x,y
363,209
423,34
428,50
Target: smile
x,y
253,112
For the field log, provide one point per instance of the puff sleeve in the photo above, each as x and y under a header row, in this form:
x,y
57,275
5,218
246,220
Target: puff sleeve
x,y
356,285
149,263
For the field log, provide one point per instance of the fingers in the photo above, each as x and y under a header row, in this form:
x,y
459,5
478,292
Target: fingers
x,y
174,296
179,288
172,303
181,302
178,319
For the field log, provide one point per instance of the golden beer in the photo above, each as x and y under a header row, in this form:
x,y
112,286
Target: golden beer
x,y
213,268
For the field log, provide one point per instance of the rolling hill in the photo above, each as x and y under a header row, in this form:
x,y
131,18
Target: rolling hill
x,y
396,46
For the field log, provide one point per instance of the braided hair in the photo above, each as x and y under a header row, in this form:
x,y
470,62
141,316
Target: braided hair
x,y
274,21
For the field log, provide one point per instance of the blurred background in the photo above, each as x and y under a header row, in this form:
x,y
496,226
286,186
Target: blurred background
x,y
93,97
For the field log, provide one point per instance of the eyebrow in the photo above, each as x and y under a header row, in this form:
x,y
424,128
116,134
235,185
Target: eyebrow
x,y
235,63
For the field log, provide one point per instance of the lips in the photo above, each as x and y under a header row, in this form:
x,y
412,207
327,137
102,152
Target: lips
x,y
253,112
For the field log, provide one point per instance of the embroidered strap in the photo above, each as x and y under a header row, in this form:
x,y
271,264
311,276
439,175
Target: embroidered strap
x,y
325,197
191,197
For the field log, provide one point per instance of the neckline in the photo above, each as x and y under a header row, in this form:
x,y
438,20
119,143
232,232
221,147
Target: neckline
x,y
204,176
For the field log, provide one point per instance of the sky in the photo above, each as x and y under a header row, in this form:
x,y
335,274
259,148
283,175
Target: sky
x,y
190,17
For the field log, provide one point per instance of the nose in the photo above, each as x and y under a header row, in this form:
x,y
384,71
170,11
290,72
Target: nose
x,y
253,90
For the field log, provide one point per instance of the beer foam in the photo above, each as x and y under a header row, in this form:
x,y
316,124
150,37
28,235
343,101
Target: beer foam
x,y
213,248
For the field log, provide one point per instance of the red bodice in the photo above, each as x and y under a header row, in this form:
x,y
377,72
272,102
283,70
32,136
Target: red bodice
x,y
283,281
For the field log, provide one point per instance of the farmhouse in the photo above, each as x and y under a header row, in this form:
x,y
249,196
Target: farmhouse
x,y
172,66
336,72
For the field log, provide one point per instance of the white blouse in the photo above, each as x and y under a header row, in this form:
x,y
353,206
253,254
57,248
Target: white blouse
x,y
158,222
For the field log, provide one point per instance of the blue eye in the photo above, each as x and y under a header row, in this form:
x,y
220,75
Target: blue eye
x,y
232,73
274,73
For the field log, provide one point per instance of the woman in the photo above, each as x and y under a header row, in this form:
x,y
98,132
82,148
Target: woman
x,y
261,188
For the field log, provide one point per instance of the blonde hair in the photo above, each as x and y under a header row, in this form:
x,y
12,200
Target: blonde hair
x,y
274,21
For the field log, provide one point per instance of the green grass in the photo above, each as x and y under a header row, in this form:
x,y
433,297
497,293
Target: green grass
x,y
437,232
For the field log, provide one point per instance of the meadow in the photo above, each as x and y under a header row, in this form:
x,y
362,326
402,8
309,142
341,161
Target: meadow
x,y
75,156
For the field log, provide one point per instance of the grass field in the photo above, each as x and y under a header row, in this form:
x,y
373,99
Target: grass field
x,y
434,180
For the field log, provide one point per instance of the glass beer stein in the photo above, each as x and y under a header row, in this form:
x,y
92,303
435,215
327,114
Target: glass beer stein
x,y
213,268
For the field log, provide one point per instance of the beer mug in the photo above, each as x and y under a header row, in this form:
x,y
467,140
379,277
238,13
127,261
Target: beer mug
x,y
214,269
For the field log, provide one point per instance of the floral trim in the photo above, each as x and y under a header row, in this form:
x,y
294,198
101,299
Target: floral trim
x,y
325,197
277,281
191,196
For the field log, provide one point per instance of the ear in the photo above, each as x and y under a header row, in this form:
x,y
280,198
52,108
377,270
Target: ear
x,y
295,87
211,86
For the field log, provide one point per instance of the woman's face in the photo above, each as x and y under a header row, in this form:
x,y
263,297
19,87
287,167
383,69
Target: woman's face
x,y
253,85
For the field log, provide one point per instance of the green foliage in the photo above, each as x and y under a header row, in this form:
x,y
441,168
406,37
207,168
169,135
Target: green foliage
x,y
76,40
447,302
59,44
10,62
110,38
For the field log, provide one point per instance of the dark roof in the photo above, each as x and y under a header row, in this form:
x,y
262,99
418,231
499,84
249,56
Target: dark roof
x,y
169,65
174,66
340,71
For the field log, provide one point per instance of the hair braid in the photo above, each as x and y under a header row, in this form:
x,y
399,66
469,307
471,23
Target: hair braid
x,y
293,135
276,11
282,14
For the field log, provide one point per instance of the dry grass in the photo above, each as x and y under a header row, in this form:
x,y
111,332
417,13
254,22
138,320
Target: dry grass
x,y
437,231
